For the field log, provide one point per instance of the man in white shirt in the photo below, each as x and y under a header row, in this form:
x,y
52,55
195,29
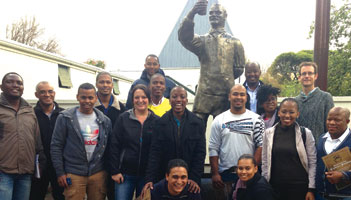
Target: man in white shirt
x,y
234,132
252,84
337,137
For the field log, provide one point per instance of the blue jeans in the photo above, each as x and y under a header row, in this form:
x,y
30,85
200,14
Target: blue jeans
x,y
15,186
125,190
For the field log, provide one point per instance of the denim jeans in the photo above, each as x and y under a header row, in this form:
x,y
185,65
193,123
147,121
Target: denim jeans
x,y
125,190
15,186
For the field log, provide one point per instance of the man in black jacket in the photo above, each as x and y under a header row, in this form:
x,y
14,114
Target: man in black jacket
x,y
107,102
46,111
252,84
152,66
112,108
177,134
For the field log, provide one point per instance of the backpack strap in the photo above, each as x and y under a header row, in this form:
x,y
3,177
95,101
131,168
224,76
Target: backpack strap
x,y
303,135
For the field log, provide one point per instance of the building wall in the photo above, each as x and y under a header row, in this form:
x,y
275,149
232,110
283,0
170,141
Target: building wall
x,y
35,68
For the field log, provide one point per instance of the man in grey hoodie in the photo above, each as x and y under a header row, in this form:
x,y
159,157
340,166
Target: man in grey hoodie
x,y
78,145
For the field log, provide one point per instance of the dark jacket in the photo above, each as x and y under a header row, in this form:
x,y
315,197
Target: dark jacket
x,y
67,145
160,192
257,188
247,105
113,111
144,79
191,146
47,126
322,184
130,144
19,138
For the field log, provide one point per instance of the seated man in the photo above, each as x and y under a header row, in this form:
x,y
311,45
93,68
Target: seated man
x,y
159,104
175,185
337,137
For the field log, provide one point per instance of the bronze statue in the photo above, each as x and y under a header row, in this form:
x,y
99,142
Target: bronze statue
x,y
221,57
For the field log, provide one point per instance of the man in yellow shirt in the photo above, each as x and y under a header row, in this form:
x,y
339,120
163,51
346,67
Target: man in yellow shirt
x,y
159,104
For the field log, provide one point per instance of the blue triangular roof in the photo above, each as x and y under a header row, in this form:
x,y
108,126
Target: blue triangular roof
x,y
173,54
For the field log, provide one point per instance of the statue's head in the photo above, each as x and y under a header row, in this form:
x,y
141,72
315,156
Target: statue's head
x,y
217,15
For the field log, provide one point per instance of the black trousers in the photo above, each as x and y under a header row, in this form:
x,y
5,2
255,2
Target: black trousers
x,y
39,187
290,191
110,188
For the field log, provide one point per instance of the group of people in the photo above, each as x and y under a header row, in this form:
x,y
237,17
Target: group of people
x,y
154,147
99,148
102,149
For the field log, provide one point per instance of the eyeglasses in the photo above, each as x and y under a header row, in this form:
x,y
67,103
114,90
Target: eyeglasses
x,y
307,73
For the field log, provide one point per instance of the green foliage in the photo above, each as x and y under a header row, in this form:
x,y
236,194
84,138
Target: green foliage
x,y
287,88
339,65
285,66
339,70
283,73
96,63
340,26
339,73
290,89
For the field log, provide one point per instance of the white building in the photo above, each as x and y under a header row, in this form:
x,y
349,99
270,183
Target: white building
x,y
65,75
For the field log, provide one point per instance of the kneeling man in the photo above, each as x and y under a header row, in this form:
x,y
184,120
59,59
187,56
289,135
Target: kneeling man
x,y
175,185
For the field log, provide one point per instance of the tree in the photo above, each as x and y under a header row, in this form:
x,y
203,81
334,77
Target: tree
x,y
339,65
283,73
339,73
285,66
339,70
96,63
27,31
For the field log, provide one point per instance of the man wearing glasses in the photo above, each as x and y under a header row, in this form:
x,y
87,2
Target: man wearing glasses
x,y
314,104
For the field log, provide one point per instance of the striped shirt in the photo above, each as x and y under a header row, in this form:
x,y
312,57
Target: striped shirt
x,y
233,135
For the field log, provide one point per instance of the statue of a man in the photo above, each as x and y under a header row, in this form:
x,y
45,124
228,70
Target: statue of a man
x,y
221,57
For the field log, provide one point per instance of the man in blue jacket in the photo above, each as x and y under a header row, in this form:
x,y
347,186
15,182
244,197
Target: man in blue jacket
x,y
78,145
337,137
152,66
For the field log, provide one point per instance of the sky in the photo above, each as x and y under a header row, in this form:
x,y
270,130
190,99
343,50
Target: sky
x,y
122,33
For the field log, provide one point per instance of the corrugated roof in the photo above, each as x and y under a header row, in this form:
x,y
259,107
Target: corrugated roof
x,y
173,54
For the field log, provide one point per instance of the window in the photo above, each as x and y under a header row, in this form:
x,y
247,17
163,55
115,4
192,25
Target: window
x,y
116,87
64,76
